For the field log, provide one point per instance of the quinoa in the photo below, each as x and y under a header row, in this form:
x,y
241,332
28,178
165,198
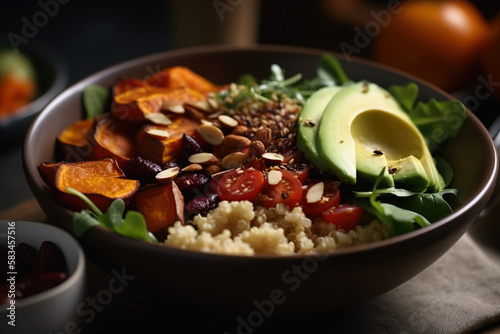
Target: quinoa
x,y
240,228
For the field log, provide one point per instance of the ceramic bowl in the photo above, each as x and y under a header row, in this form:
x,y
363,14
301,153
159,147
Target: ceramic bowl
x,y
52,78
53,310
297,284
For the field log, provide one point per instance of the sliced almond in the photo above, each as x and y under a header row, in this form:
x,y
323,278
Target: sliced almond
x,y
202,106
273,157
274,177
158,118
167,174
215,114
315,192
177,109
212,134
228,121
234,160
206,122
158,133
203,158
192,168
213,103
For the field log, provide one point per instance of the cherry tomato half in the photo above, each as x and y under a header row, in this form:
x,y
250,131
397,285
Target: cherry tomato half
x,y
331,197
345,216
240,185
299,170
288,191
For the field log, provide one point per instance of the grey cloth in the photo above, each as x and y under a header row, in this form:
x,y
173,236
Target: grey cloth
x,y
459,293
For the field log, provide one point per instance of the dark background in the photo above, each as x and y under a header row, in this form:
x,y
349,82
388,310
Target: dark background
x,y
91,35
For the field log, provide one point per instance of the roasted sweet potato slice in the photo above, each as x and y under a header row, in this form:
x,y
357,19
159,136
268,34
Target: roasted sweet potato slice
x,y
180,76
162,143
135,104
114,138
101,181
127,84
106,167
162,205
74,142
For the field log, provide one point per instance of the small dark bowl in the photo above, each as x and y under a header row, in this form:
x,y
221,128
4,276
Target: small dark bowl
x,y
298,284
52,78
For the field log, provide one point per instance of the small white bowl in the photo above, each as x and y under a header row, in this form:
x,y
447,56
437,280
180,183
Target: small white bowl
x,y
54,310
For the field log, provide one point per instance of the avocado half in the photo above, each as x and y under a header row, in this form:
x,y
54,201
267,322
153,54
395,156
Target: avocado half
x,y
361,130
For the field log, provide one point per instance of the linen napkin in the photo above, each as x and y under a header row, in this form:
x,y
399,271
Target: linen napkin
x,y
459,293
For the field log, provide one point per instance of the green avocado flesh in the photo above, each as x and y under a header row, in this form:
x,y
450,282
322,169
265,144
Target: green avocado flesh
x,y
361,130
308,126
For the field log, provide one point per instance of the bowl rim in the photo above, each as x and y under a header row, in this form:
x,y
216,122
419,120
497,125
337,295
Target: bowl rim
x,y
217,49
78,274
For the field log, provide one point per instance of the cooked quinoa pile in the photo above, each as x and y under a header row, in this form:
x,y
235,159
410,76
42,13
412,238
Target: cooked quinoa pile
x,y
242,229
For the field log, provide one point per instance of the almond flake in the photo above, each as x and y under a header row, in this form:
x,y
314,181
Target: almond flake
x,y
315,192
273,157
202,158
274,177
228,121
192,168
167,174
158,118
177,109
234,160
212,134
158,133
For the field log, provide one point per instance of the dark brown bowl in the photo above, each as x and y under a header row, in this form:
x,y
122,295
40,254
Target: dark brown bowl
x,y
291,284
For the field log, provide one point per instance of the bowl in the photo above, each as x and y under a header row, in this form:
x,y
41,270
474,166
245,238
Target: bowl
x,y
292,284
53,310
52,78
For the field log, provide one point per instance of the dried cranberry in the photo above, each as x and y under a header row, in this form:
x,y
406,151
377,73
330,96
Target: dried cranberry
x,y
51,258
200,205
26,258
189,146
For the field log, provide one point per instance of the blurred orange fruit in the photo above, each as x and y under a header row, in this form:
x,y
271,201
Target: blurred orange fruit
x,y
438,41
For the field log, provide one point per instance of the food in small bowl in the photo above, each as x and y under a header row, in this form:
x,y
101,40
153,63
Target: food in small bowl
x,y
270,196
43,278
18,84
30,77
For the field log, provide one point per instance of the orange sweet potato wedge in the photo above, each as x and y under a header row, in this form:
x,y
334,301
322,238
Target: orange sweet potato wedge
x,y
102,181
180,76
135,104
162,205
127,84
74,142
162,143
115,138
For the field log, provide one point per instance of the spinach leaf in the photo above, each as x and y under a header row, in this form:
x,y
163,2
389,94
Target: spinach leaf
x,y
400,220
330,68
432,206
436,120
439,121
132,226
405,95
96,100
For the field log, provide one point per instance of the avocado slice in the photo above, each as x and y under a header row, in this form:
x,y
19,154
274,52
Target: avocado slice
x,y
369,164
409,174
307,127
362,119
